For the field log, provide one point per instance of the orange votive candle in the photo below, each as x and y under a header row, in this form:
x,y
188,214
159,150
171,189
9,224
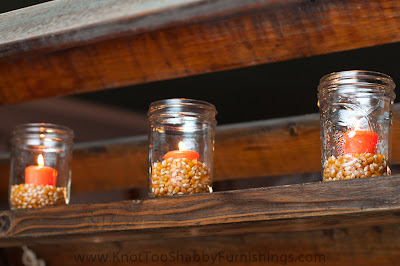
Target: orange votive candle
x,y
182,153
40,174
360,141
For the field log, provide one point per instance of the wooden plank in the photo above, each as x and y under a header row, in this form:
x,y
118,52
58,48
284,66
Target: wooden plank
x,y
371,245
274,147
175,41
362,202
70,23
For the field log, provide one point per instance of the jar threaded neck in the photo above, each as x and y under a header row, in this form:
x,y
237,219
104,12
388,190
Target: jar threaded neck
x,y
357,80
182,107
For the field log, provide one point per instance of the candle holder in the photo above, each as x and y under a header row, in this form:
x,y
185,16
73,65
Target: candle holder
x,y
181,147
356,118
40,172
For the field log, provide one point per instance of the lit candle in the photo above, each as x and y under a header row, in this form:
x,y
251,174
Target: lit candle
x,y
360,141
40,174
182,153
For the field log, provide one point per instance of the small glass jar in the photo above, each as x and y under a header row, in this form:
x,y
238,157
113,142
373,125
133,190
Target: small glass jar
x,y
356,118
40,172
181,147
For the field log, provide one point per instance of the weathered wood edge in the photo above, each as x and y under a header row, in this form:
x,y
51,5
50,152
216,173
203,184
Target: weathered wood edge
x,y
303,224
361,245
295,207
71,23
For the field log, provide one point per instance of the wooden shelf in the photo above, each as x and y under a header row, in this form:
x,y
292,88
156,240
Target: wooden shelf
x,y
305,207
65,47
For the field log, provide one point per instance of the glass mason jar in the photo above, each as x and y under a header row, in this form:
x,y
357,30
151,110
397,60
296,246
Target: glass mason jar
x,y
356,119
40,171
181,147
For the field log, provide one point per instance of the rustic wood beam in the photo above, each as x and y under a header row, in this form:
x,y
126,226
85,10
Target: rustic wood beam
x,y
65,47
368,245
69,23
303,207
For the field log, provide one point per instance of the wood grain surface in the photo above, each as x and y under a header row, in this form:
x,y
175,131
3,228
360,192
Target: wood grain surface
x,y
171,40
62,24
368,245
361,202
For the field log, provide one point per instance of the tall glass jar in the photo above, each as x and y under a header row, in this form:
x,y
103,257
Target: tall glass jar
x,y
356,118
181,147
40,172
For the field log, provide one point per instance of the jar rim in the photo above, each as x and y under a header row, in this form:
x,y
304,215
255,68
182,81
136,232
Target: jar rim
x,y
180,102
42,128
182,107
355,78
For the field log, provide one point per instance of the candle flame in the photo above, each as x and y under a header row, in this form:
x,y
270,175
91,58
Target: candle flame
x,y
181,146
40,160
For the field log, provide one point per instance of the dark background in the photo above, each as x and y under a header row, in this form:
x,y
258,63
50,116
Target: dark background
x,y
253,93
